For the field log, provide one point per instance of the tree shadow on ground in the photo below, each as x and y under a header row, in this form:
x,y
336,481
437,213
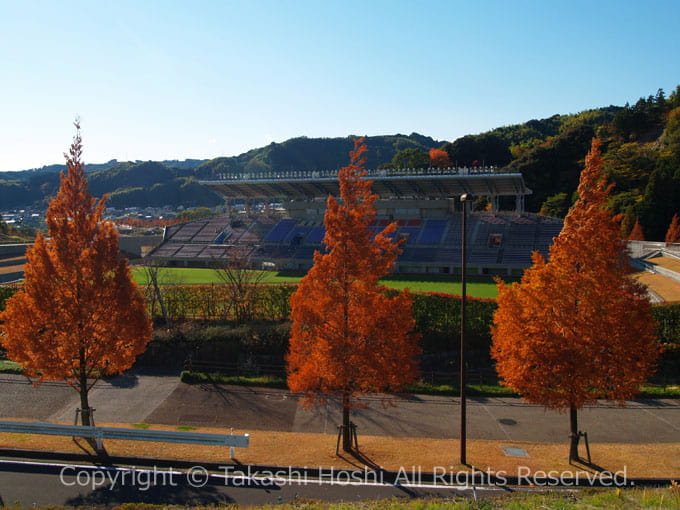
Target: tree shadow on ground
x,y
383,421
123,381
138,489
582,463
361,461
655,402
84,443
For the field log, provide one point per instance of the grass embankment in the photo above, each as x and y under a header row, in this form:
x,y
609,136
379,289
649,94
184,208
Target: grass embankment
x,y
482,287
10,367
421,388
280,383
626,499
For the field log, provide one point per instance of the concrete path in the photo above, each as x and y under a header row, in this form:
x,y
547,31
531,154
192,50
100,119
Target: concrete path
x,y
163,399
20,399
128,398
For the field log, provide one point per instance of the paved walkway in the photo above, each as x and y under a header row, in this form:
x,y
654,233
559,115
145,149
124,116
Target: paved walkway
x,y
164,400
128,398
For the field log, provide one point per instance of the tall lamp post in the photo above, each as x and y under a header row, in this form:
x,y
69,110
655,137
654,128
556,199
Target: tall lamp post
x,y
465,198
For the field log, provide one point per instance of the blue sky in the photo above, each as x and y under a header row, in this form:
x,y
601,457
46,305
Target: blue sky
x,y
175,80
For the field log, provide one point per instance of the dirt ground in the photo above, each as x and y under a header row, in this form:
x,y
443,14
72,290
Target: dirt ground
x,y
274,448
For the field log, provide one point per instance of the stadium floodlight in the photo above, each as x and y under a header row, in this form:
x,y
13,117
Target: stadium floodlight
x,y
465,199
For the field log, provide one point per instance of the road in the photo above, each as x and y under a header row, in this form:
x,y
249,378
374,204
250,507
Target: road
x,y
79,485
162,399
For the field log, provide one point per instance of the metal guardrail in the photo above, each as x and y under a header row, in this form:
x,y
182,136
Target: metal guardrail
x,y
101,433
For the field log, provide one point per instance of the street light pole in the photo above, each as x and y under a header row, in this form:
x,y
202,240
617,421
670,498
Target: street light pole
x,y
464,199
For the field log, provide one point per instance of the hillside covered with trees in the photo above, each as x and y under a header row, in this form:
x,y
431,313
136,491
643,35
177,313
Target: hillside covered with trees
x,y
641,150
175,183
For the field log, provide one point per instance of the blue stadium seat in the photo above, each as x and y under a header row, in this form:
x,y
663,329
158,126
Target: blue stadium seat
x,y
280,231
316,235
433,231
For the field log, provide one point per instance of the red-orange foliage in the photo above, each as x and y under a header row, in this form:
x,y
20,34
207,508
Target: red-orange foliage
x,y
673,232
636,234
348,337
79,316
577,328
139,222
439,158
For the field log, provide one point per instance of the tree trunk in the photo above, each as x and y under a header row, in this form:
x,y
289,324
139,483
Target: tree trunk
x,y
157,295
573,434
346,431
161,302
83,389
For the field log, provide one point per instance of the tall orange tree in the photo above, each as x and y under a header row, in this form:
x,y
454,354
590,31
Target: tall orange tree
x,y
78,316
348,337
673,232
577,328
637,234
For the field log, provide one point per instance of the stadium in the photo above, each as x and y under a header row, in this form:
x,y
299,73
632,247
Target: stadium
x,y
423,202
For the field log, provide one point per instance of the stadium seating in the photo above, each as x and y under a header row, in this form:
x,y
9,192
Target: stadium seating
x,y
316,235
497,242
433,231
410,234
280,231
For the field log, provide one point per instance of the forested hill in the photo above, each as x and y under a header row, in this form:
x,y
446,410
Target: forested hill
x,y
175,183
641,153
318,154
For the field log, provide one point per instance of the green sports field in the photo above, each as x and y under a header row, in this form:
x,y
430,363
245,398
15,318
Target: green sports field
x,y
482,287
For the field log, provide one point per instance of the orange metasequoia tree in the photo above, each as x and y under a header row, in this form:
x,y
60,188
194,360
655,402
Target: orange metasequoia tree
x,y
637,233
577,328
348,337
78,316
673,232
439,158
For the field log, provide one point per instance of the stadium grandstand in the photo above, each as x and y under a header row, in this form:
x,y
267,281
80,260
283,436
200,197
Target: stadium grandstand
x,y
423,202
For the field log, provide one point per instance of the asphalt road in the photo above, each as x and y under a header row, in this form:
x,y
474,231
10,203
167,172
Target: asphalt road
x,y
72,485
162,399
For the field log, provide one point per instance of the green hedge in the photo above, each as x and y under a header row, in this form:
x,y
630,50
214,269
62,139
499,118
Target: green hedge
x,y
437,315
668,322
6,292
438,320
214,302
211,341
